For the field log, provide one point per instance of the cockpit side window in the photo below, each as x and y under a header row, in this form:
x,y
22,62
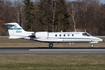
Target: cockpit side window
x,y
85,34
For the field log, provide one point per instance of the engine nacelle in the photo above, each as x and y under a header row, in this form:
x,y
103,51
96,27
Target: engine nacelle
x,y
41,34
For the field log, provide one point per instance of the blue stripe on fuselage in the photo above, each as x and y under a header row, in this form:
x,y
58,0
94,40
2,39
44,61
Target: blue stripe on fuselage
x,y
14,28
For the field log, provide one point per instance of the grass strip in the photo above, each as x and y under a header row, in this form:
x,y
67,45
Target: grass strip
x,y
52,62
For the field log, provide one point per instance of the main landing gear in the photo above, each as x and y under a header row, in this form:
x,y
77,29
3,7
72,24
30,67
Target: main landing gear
x,y
50,45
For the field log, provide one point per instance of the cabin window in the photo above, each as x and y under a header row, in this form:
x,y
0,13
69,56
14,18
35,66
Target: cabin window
x,y
85,34
60,35
68,35
72,34
56,35
64,35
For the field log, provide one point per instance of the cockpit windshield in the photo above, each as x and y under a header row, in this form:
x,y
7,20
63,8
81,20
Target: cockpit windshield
x,y
86,34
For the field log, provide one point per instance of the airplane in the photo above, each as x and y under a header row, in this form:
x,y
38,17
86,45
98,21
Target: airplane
x,y
16,31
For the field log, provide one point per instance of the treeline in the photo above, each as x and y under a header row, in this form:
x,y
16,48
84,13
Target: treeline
x,y
54,15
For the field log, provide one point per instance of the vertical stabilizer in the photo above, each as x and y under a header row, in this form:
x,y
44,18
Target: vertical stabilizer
x,y
16,31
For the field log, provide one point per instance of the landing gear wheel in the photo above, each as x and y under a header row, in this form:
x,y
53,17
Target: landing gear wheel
x,y
50,45
92,45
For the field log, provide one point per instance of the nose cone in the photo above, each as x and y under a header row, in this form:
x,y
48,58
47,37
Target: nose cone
x,y
98,39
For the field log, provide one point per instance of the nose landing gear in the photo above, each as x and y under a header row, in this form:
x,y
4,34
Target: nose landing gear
x,y
92,45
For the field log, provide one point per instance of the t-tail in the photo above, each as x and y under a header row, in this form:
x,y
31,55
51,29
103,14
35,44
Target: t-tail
x,y
16,31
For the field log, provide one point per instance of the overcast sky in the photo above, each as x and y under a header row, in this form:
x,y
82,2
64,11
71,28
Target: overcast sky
x,y
101,1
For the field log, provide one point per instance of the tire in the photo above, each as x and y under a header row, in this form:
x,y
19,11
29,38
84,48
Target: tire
x,y
92,45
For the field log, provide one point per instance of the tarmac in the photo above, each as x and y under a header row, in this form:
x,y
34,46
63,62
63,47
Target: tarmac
x,y
54,50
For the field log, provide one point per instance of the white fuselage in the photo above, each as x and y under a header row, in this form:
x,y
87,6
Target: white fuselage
x,y
66,37
16,31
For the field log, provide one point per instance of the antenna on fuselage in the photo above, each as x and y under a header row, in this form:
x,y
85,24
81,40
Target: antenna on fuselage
x,y
61,31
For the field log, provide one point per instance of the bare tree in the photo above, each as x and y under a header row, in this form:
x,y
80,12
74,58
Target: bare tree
x,y
18,12
54,10
72,9
84,8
